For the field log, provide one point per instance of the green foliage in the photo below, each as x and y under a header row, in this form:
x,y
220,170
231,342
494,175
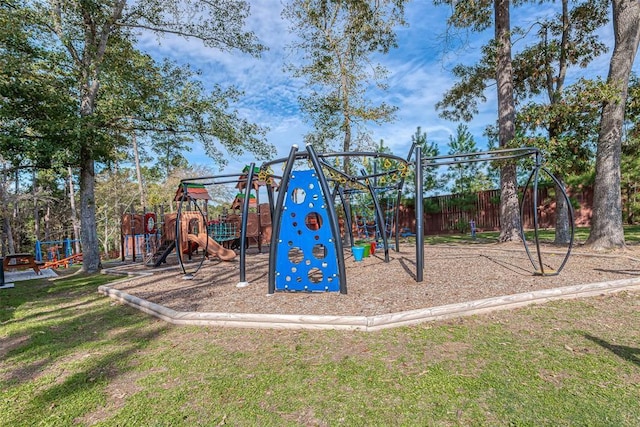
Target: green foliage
x,y
467,178
37,112
564,125
74,89
570,148
430,178
337,40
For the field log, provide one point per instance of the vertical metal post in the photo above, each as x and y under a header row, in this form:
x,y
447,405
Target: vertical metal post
x,y
122,242
400,187
179,228
419,217
333,217
160,224
396,223
243,229
379,217
270,198
277,216
38,255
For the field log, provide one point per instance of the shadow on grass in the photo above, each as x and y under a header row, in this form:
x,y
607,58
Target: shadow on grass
x,y
630,354
70,343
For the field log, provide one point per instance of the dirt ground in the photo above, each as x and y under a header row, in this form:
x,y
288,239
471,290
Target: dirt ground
x,y
452,274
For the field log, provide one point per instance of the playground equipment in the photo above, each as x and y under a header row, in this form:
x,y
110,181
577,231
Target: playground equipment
x,y
64,262
306,252
533,180
138,235
254,221
306,244
57,253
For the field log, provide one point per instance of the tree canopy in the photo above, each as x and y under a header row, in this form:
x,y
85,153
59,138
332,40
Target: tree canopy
x,y
337,40
83,67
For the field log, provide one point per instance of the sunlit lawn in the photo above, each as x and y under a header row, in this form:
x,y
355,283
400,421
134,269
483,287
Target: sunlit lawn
x,y
69,356
631,235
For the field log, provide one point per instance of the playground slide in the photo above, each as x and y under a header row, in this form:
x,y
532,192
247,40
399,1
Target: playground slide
x,y
213,247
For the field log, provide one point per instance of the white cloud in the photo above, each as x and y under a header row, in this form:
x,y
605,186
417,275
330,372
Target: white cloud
x,y
419,75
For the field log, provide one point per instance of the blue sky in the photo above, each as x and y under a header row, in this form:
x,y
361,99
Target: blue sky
x,y
419,75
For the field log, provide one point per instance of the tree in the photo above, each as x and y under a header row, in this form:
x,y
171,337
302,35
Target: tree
x,y
466,178
430,178
606,221
338,39
93,35
564,40
477,15
565,114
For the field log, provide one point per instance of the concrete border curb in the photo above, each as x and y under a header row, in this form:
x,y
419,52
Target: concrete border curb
x,y
365,323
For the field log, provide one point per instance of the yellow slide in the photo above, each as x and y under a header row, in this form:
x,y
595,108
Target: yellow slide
x,y
213,247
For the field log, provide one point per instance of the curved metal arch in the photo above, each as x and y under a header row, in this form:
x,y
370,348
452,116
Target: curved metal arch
x,y
179,230
232,178
493,155
539,267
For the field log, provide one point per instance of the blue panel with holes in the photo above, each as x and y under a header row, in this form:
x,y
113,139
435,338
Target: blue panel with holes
x,y
306,258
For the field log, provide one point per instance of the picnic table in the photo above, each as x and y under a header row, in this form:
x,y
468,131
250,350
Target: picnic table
x,y
20,262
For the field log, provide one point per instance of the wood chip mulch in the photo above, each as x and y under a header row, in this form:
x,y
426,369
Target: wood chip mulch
x,y
452,274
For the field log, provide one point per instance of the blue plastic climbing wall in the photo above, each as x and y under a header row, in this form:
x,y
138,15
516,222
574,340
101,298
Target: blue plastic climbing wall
x,y
306,257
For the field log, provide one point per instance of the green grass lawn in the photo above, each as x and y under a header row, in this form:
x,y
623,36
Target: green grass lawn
x,y
69,356
631,236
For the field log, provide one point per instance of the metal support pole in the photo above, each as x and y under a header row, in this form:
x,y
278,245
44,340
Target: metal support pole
x,y
379,218
396,214
243,229
348,219
419,217
133,234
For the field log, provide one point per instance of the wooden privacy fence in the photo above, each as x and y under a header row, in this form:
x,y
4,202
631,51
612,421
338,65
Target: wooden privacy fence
x,y
453,213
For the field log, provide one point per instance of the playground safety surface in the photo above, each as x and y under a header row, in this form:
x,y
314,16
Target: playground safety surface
x,y
458,280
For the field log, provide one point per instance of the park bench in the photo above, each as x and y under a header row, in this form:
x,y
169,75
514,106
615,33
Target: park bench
x,y
20,262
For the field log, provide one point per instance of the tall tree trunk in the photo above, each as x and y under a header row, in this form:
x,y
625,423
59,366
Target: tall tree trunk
x,y
47,223
105,243
17,223
11,248
606,222
562,226
6,217
509,207
90,244
74,213
556,85
36,210
7,234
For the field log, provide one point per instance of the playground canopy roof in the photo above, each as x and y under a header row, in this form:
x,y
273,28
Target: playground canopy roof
x,y
194,192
